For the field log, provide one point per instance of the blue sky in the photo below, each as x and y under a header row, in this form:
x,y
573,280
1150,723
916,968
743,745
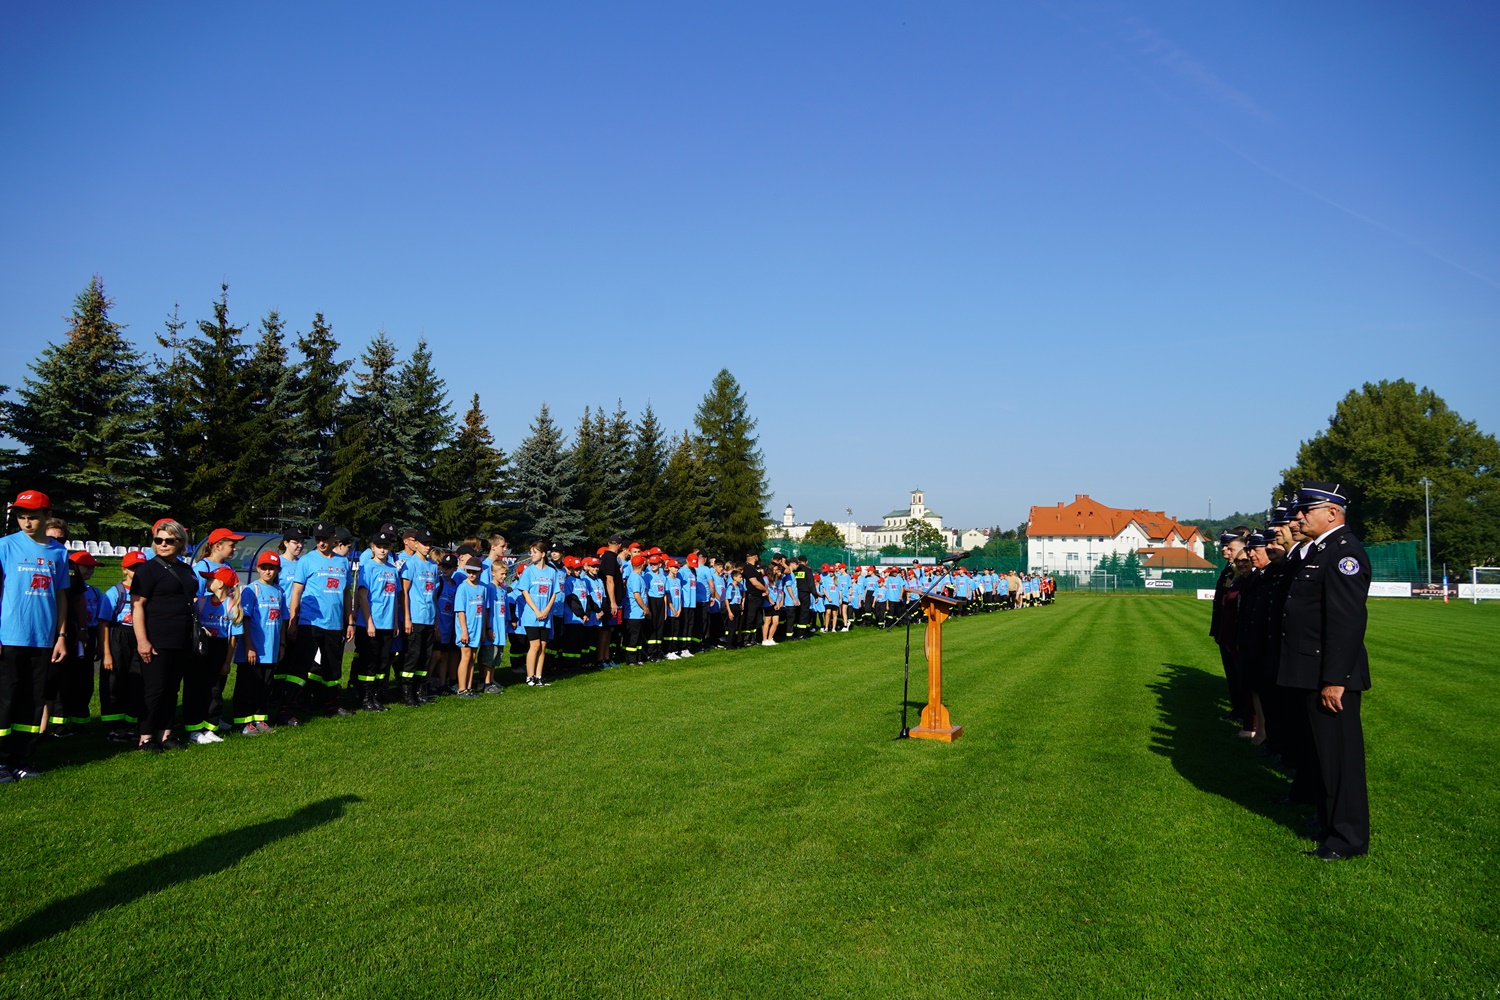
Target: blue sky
x,y
1004,252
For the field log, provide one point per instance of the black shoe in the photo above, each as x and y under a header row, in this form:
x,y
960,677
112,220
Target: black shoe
x,y
121,736
408,697
25,772
150,746
170,744
1326,853
338,710
287,719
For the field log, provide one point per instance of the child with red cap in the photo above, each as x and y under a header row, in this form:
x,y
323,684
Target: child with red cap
x,y
119,670
33,620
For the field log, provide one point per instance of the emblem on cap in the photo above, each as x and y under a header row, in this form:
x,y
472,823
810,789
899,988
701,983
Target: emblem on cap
x,y
1348,565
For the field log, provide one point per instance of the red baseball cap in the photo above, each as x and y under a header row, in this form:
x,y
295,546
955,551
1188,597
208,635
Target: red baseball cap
x,y
32,500
692,559
83,559
131,560
591,561
269,559
160,522
571,562
654,556
223,534
637,561
671,563
223,574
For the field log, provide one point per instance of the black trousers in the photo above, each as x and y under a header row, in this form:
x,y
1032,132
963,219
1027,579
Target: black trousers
x,y
76,683
23,699
658,620
322,654
416,651
751,620
203,686
1339,740
160,680
692,628
635,638
372,656
120,688
252,692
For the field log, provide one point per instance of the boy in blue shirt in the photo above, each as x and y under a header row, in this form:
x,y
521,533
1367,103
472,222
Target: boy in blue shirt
x,y
377,608
421,582
637,610
220,622
262,645
671,631
33,619
594,651
497,593
538,584
321,621
471,623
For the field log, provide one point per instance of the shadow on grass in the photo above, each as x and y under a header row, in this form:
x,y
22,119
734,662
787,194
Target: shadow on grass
x,y
1203,749
213,854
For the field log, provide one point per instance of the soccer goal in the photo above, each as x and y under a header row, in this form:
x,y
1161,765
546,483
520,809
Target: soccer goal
x,y
1483,585
1099,580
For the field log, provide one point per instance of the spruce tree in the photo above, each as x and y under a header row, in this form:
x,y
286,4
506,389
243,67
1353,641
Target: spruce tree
x,y
684,503
421,408
211,437
346,500
544,486
170,385
317,401
648,467
275,460
587,456
370,457
734,468
85,422
473,477
616,455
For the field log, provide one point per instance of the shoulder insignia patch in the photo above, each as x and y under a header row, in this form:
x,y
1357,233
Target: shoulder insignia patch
x,y
1348,565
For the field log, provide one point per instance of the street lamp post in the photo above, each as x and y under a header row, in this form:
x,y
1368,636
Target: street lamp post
x,y
1427,497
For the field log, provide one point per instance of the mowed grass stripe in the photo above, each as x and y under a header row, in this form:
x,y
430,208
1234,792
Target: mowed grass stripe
x,y
745,825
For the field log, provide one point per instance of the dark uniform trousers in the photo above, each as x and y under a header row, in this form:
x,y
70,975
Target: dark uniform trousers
x,y
1322,644
23,699
120,688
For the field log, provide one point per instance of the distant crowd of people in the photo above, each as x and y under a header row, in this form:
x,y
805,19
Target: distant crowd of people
x,y
424,622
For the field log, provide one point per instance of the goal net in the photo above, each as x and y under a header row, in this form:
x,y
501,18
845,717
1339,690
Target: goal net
x,y
1483,585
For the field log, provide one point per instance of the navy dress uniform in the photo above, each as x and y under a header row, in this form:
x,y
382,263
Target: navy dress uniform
x,y
1323,646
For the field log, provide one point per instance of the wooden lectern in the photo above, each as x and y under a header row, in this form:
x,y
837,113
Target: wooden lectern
x,y
935,722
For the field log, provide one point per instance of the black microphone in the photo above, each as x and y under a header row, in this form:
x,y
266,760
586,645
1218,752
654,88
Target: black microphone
x,y
955,557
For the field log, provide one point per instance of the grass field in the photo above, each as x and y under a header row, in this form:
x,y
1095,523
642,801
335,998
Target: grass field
x,y
745,825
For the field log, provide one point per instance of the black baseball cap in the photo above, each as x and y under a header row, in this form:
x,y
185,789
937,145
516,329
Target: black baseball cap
x,y
324,530
423,536
450,561
343,535
293,535
467,550
385,539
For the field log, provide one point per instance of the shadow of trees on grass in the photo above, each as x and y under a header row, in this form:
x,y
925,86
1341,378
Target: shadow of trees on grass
x,y
1203,748
210,855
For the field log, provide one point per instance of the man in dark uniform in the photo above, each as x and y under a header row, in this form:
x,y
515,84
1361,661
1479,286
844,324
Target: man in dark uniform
x,y
1323,655
1230,544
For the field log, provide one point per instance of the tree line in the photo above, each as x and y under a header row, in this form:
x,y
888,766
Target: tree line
x,y
273,429
1382,440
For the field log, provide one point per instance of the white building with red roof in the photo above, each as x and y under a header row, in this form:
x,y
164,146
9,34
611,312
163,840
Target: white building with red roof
x,y
1075,538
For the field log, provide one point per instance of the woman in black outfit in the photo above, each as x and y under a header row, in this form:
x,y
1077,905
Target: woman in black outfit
x,y
161,600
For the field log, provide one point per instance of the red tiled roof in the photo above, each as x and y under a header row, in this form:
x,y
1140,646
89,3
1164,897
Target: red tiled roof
x,y
1172,559
1086,516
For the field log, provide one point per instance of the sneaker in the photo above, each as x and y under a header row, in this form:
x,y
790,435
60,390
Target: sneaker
x,y
263,728
6,777
686,655
25,772
465,694
122,736
493,689
62,732
248,729
223,727
543,684
213,737
451,689
671,656
170,743
289,720
202,737
531,682
768,642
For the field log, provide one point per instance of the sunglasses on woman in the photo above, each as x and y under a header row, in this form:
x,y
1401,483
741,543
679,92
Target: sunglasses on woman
x,y
164,540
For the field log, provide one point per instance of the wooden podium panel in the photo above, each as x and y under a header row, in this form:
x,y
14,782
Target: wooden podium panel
x,y
935,724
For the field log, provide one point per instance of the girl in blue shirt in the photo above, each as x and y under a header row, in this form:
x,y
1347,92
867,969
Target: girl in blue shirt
x,y
539,593
220,621
261,647
471,624
672,610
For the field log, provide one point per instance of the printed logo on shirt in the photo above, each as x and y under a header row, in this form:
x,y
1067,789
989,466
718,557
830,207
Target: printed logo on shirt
x,y
333,583
273,615
390,586
40,582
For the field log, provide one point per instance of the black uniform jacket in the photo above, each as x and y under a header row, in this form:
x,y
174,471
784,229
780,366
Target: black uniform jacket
x,y
1226,576
1323,623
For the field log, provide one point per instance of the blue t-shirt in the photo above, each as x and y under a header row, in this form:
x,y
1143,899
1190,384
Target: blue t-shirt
x,y
514,604
324,579
93,603
541,583
472,598
894,586
215,618
264,606
559,580
634,586
598,594
114,606
689,578
423,575
287,577
33,575
496,613
446,606
382,580
656,582
673,585
205,566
